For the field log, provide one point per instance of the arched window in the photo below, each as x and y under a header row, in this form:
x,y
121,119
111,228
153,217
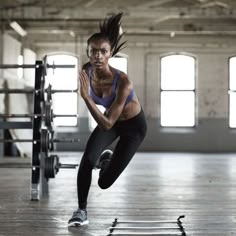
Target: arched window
x,y
120,63
232,92
64,79
177,91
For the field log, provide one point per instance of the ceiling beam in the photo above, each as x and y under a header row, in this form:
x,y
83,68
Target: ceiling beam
x,y
89,3
215,4
152,3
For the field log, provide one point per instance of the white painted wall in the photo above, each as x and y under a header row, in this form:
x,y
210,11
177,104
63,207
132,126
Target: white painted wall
x,y
17,103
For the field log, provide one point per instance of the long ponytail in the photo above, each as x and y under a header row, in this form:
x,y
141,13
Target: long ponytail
x,y
110,29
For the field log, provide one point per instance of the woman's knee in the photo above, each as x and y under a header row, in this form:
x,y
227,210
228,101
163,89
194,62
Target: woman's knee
x,y
103,184
87,162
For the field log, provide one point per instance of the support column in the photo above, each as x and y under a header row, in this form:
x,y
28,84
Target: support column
x,y
1,82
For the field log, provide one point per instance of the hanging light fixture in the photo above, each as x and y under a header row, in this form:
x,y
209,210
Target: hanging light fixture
x,y
18,28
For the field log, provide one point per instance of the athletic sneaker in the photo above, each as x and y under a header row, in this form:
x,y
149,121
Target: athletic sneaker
x,y
104,158
78,218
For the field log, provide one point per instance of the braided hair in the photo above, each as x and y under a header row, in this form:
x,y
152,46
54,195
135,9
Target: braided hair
x,y
110,31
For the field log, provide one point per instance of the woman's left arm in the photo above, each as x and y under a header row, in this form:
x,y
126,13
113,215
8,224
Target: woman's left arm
x,y
107,120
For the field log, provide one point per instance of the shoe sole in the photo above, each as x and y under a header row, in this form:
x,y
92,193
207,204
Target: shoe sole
x,y
78,224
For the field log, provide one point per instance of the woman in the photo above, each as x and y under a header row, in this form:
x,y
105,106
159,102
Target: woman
x,y
124,118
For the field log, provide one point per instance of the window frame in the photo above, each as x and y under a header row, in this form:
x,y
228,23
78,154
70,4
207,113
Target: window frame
x,y
180,90
230,91
68,127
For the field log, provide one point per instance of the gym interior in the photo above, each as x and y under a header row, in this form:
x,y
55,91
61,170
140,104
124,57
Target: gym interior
x,y
181,58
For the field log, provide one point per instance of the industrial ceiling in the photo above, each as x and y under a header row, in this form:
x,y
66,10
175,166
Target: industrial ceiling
x,y
62,20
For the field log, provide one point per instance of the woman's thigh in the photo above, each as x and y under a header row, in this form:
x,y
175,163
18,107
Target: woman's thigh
x,y
97,142
122,155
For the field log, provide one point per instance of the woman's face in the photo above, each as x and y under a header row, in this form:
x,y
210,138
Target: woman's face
x,y
99,52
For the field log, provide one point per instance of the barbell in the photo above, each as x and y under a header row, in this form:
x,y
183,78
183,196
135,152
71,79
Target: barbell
x,y
46,141
52,165
49,91
47,115
45,66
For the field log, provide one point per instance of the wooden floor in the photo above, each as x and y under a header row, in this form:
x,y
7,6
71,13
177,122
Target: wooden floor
x,y
155,186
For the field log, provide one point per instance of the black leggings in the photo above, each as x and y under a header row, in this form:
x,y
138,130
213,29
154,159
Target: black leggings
x,y
130,132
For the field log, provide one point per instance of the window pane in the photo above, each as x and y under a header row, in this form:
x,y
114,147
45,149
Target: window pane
x,y
177,108
232,110
66,78
232,73
20,70
92,122
65,103
119,63
177,72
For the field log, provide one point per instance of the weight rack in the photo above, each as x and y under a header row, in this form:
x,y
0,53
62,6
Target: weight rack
x,y
38,157
43,166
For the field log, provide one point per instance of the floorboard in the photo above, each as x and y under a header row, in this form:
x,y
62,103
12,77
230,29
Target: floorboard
x,y
155,186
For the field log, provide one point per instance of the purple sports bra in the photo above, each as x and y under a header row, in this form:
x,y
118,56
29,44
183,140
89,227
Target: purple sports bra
x,y
107,101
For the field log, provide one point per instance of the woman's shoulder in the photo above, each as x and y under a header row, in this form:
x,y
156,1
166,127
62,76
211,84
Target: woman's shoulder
x,y
86,66
123,76
120,73
124,81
